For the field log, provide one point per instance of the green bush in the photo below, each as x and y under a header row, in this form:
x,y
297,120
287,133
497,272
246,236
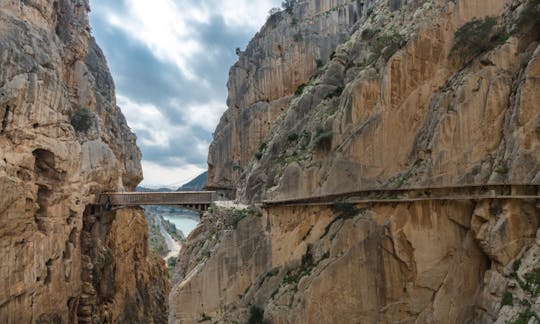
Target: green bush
x,y
300,89
288,5
507,299
171,262
256,316
530,14
385,46
322,138
525,316
478,36
82,119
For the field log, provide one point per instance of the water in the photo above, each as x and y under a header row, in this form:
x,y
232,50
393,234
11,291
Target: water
x,y
184,223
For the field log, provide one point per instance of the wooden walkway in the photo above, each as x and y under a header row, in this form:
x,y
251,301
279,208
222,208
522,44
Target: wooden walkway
x,y
404,195
194,200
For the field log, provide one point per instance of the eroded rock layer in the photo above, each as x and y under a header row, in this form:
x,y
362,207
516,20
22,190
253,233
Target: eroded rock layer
x,y
423,262
63,140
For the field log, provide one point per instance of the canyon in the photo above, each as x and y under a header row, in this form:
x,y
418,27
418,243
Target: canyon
x,y
330,97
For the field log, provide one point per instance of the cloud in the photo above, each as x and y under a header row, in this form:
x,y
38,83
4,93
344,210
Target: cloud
x,y
170,62
173,177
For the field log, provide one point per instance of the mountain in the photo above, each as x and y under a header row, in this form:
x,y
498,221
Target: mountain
x,y
144,189
197,184
63,141
334,97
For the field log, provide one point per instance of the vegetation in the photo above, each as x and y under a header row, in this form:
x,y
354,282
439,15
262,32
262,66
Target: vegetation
x,y
385,46
205,318
171,263
288,5
262,148
300,90
525,316
172,230
82,119
239,214
507,299
256,316
530,14
346,209
478,36
322,138
156,242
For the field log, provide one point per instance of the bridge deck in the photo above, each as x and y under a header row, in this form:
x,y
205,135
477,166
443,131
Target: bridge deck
x,y
196,200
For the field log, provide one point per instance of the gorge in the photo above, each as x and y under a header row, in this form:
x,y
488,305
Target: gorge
x,y
330,98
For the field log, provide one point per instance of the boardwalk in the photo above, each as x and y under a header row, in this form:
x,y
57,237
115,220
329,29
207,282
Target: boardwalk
x,y
194,200
374,196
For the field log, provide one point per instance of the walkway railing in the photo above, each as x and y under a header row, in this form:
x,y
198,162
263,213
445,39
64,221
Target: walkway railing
x,y
371,196
196,200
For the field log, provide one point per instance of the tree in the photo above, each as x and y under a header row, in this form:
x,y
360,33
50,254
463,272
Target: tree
x,y
288,5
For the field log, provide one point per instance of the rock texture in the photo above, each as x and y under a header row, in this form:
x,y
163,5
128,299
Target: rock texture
x,y
453,119
51,68
425,262
398,102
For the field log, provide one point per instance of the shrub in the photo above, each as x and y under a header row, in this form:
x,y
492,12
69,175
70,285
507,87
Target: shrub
x,y
82,119
386,46
346,209
525,316
171,262
300,90
478,36
288,5
319,63
507,299
292,137
530,14
256,316
273,11
322,138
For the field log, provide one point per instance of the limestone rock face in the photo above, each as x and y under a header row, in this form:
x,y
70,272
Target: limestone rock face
x,y
423,262
394,105
282,56
50,171
397,104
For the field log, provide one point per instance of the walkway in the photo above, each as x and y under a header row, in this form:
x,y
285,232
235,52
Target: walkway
x,y
373,196
194,200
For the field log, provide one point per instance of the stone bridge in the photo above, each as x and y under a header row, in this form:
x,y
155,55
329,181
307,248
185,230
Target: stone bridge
x,y
193,200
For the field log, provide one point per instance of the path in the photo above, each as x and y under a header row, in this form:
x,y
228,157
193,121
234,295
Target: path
x,y
173,246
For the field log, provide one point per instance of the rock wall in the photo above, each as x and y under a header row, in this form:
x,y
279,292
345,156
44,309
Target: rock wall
x,y
399,103
283,55
422,262
51,70
394,105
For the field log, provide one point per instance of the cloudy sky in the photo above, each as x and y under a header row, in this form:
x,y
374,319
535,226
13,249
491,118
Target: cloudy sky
x,y
170,61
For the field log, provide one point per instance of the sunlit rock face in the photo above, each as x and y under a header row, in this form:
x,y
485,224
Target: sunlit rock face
x,y
282,56
395,104
50,170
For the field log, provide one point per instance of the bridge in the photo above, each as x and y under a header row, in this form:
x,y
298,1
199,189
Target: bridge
x,y
193,200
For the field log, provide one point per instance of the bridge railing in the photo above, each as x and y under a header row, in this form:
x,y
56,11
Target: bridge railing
x,y
157,198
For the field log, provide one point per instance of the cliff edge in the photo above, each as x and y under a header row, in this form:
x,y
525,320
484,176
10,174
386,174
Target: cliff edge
x,y
63,141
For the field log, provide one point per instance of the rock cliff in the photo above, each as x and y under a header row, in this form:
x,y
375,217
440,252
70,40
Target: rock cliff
x,y
63,140
414,94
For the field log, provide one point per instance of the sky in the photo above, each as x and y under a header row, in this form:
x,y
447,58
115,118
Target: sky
x,y
170,62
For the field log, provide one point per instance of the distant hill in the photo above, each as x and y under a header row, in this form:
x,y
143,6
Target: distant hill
x,y
196,184
143,189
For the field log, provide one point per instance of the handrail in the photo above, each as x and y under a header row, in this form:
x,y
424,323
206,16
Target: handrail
x,y
377,194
